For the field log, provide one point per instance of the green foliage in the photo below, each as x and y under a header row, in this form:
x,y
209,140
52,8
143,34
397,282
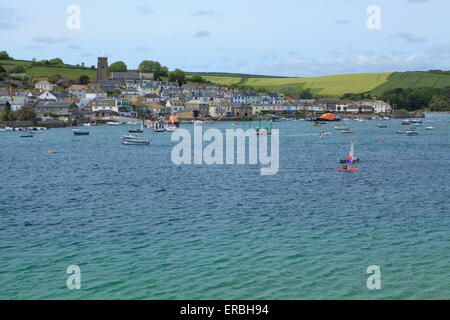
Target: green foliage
x,y
198,79
155,67
2,70
84,80
118,66
17,69
5,56
412,99
178,76
7,114
56,61
357,96
26,113
441,102
55,78
439,72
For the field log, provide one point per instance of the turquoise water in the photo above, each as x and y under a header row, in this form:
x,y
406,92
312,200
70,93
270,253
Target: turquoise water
x,y
140,227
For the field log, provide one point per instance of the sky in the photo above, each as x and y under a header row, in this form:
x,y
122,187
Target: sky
x,y
299,38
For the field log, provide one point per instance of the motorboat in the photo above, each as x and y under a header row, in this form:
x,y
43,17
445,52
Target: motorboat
x,y
411,133
136,142
80,133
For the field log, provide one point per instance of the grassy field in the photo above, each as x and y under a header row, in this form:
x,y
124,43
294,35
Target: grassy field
x,y
333,86
66,71
328,86
413,80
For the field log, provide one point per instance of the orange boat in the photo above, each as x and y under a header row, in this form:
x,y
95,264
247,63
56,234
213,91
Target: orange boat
x,y
328,117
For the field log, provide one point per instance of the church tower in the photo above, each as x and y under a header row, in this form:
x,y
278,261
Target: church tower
x,y
102,69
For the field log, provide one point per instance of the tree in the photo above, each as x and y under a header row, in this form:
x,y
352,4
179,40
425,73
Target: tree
x,y
55,78
177,76
155,67
150,66
56,61
17,69
26,113
118,66
2,70
7,114
84,80
5,56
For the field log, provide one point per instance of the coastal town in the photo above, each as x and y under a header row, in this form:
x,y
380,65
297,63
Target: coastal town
x,y
117,96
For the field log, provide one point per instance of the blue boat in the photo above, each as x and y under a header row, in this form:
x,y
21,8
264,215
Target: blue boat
x,y
81,133
27,136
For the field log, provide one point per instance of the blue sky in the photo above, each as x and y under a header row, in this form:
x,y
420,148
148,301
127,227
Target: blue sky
x,y
285,37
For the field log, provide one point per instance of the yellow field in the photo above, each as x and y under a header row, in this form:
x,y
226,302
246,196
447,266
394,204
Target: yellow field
x,y
334,86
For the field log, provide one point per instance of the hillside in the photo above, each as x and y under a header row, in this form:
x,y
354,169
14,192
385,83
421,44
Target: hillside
x,y
334,86
65,70
413,80
329,86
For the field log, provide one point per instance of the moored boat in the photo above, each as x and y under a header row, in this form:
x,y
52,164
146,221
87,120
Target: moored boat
x,y
81,133
136,142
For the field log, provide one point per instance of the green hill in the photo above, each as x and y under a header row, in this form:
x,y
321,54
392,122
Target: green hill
x,y
45,71
333,86
413,80
329,86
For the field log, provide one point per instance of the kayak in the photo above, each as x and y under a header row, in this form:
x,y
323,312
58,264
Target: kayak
x,y
349,169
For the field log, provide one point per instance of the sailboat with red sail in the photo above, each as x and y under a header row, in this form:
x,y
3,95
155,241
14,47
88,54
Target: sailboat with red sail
x,y
350,159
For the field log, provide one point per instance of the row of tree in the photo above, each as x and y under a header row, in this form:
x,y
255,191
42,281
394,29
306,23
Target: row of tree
x,y
26,113
155,67
413,99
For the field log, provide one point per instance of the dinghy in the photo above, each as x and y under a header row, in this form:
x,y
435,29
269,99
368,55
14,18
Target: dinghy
x,y
350,160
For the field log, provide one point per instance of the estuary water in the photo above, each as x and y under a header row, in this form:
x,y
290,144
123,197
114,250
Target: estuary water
x,y
141,227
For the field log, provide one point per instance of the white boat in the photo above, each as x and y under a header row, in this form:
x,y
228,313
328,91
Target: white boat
x,y
131,136
171,128
136,142
263,132
113,123
430,128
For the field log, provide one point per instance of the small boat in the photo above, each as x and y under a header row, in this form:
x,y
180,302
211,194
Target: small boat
x,y
27,136
113,123
430,128
263,132
415,121
81,133
141,130
171,128
350,160
382,126
406,123
136,142
347,131
341,128
131,136
411,133
323,133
